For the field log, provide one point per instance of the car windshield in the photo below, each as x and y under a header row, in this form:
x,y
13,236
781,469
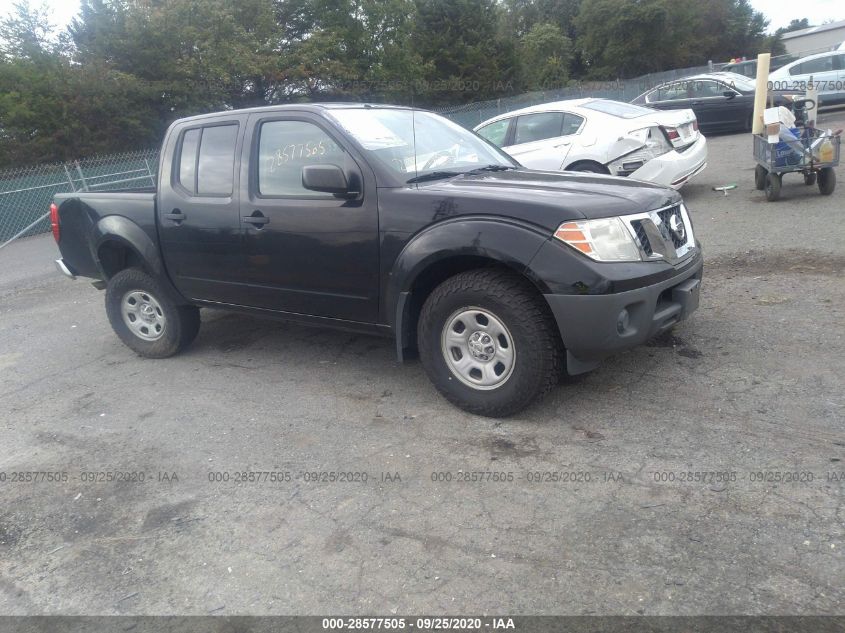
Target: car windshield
x,y
417,143
617,108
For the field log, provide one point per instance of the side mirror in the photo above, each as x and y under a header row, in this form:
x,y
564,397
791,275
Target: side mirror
x,y
326,178
729,94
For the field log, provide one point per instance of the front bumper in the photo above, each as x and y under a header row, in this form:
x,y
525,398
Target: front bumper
x,y
674,169
595,326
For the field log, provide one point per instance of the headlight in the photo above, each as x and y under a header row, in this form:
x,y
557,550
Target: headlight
x,y
604,240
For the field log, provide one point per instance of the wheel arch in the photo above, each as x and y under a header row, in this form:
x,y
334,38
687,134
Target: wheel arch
x,y
446,250
119,243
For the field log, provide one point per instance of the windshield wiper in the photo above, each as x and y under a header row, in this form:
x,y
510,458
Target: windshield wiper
x,y
434,175
492,168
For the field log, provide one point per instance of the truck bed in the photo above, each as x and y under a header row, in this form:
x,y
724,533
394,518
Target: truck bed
x,y
83,216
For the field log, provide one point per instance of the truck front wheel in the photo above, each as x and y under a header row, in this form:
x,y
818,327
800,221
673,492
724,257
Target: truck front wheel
x,y
145,319
488,342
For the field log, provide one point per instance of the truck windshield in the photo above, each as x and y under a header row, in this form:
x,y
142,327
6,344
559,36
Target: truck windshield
x,y
417,143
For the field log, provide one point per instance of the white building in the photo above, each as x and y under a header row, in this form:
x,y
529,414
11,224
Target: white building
x,y
815,38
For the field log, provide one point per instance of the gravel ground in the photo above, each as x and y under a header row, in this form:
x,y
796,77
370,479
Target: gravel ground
x,y
750,388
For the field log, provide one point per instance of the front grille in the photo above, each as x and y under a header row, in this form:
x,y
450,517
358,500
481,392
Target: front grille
x,y
663,233
666,217
642,237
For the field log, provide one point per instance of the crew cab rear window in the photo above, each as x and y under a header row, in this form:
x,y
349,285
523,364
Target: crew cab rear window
x,y
284,148
207,160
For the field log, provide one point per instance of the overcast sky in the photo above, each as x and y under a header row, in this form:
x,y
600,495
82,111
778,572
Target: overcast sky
x,y
779,12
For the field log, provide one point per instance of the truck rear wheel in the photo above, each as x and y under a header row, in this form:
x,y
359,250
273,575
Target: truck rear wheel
x,y
144,317
488,343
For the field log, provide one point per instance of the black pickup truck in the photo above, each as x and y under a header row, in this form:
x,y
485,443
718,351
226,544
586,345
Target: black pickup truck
x,y
390,221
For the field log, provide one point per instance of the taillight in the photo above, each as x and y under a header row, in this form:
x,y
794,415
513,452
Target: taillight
x,y
54,221
672,133
695,124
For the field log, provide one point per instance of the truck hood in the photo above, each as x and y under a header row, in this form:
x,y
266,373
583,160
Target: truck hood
x,y
549,198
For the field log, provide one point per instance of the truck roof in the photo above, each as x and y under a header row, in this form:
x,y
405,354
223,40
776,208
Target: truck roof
x,y
301,107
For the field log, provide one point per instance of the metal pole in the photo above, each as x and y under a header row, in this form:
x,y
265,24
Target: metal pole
x,y
22,231
81,175
69,179
150,172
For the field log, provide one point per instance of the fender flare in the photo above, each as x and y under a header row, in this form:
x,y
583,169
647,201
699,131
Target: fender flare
x,y
505,241
116,228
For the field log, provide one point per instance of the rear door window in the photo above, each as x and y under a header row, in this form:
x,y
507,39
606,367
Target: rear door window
x,y
187,176
206,163
538,127
216,164
819,65
704,89
669,92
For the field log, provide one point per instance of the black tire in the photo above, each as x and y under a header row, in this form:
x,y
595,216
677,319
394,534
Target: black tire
x,y
772,187
177,328
810,179
536,346
827,181
760,177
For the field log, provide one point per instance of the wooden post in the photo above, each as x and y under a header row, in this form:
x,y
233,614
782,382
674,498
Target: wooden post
x,y
761,91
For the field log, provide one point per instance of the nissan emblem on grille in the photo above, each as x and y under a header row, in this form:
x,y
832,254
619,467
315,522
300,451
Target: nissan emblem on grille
x,y
676,225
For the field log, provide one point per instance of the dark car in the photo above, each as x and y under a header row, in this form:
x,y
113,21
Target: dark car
x,y
722,102
748,68
390,221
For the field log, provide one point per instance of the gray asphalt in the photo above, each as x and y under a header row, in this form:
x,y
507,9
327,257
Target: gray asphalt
x,y
748,391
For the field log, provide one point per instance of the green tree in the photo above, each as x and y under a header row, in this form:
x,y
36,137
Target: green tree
x,y
794,25
520,16
54,109
464,57
545,54
195,54
346,49
620,38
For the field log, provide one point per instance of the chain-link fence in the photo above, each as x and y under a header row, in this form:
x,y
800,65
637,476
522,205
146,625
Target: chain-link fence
x,y
25,193
472,114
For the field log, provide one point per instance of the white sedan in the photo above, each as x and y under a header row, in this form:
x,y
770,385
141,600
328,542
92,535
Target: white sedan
x,y
603,136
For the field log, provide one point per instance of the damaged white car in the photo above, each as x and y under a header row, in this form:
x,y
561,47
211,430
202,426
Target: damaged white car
x,y
603,136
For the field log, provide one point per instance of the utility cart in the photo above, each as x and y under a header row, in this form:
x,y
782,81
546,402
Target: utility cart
x,y
809,151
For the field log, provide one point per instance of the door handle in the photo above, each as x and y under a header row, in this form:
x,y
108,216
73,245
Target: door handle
x,y
177,216
257,219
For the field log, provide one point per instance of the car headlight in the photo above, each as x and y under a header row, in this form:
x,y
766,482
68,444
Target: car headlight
x,y
604,240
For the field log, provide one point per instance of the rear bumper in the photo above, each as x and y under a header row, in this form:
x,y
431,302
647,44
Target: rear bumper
x,y
674,169
595,326
63,268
